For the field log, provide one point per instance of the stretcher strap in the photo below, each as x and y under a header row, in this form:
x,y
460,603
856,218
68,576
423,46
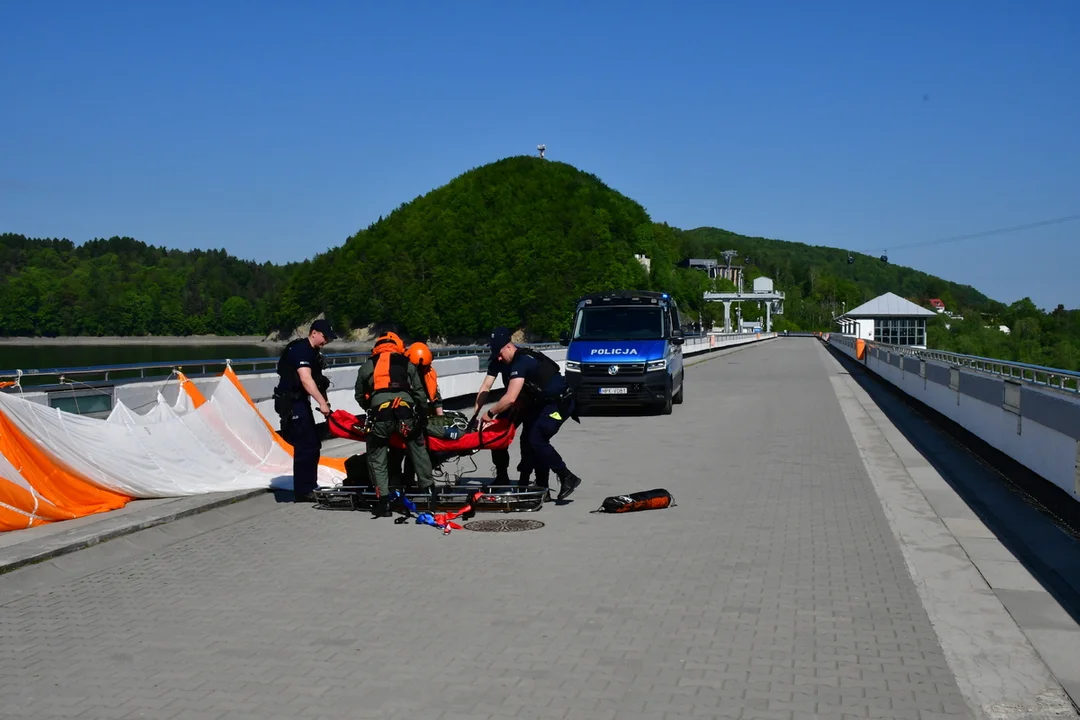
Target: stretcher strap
x,y
444,521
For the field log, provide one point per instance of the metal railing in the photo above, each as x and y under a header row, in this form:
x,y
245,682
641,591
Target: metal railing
x,y
99,375
92,375
1056,378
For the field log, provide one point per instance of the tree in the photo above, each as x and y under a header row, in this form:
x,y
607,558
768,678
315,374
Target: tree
x,y
237,316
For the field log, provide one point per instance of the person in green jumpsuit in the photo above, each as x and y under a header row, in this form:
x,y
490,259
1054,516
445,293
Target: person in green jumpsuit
x,y
391,392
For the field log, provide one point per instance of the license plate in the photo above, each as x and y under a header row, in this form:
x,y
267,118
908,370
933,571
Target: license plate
x,y
613,391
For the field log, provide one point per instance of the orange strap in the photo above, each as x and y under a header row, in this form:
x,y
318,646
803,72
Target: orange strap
x,y
382,372
431,383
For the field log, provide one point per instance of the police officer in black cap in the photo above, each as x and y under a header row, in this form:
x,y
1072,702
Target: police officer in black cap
x,y
501,457
301,377
550,403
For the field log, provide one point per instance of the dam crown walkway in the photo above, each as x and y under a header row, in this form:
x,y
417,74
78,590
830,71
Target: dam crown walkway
x,y
778,587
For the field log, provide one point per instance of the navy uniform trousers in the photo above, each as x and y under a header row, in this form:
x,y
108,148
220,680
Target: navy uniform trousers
x,y
537,453
307,447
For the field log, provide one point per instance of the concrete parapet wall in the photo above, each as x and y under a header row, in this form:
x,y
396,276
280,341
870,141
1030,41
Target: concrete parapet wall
x,y
459,376
1037,427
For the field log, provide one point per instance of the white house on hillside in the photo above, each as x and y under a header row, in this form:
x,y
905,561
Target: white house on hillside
x,y
889,319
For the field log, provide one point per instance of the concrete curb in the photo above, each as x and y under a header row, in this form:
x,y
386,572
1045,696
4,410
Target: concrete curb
x,y
40,549
995,661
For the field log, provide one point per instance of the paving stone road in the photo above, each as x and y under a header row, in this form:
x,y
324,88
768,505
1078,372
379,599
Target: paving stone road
x,y
774,589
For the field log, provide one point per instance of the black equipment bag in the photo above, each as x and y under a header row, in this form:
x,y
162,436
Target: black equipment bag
x,y
356,472
646,500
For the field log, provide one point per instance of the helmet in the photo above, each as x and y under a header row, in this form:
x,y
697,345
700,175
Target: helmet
x,y
419,354
391,338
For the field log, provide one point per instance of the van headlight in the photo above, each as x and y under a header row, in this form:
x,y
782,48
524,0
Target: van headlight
x,y
573,366
656,365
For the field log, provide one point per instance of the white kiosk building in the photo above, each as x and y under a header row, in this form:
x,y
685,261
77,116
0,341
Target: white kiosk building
x,y
888,319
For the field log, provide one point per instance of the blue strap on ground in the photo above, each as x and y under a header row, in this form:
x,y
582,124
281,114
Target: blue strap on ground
x,y
409,504
426,519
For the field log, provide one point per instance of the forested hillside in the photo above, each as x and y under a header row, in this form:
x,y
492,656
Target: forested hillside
x,y
123,286
820,283
511,243
514,242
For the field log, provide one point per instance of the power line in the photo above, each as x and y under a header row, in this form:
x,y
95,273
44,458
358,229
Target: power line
x,y
984,233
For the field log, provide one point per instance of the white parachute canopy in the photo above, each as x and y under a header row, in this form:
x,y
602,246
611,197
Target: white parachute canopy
x,y
161,412
222,445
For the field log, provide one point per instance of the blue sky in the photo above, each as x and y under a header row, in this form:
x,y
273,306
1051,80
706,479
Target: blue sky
x,y
276,130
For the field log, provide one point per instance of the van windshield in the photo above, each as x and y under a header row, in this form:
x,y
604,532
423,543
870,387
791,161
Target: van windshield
x,y
620,323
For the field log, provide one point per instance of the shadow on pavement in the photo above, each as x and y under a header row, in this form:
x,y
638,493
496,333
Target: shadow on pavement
x,y
1034,519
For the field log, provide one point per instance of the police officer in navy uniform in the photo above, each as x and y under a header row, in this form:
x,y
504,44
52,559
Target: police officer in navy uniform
x,y
501,457
550,402
301,379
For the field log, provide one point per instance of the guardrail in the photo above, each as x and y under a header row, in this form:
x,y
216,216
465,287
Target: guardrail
x,y
133,372
1024,411
1056,378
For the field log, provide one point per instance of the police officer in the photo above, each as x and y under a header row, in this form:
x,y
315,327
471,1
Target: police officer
x,y
392,394
501,458
550,403
300,369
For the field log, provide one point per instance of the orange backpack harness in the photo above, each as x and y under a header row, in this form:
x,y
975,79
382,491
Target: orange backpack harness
x,y
431,382
391,368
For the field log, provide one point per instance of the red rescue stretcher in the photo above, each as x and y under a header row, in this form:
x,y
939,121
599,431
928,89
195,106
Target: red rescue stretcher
x,y
453,493
499,435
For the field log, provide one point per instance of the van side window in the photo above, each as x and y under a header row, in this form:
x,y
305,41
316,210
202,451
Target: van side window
x,y
673,317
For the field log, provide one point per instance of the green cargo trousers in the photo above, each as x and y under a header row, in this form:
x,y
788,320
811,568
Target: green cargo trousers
x,y
385,422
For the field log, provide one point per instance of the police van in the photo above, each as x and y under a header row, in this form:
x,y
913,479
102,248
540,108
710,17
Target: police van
x,y
625,349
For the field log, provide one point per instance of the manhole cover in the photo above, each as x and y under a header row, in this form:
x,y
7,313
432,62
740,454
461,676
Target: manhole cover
x,y
504,525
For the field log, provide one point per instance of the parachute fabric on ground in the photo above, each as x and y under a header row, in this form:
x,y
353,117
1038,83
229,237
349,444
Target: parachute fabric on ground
x,y
12,515
18,503
161,411
35,490
224,444
178,456
189,397
336,466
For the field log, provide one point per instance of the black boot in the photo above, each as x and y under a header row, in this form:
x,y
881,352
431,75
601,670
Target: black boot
x,y
382,507
502,477
433,497
543,481
568,482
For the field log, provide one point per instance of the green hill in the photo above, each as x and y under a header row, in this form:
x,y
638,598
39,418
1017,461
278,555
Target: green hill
x,y
514,242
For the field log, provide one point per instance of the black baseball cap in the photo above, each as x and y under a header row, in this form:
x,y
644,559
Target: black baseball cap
x,y
499,337
323,326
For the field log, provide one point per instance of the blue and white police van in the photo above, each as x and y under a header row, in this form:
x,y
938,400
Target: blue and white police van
x,y
625,349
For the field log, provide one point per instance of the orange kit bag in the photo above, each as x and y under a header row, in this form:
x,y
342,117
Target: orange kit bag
x,y
646,500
